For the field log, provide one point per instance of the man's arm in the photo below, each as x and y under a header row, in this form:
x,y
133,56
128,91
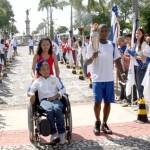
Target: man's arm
x,y
120,68
90,60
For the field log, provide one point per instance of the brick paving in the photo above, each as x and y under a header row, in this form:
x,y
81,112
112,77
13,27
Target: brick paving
x,y
128,135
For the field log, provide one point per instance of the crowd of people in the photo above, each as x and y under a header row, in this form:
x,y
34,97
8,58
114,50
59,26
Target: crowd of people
x,y
97,65
8,49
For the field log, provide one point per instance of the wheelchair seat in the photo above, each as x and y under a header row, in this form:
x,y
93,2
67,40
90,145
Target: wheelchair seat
x,y
64,100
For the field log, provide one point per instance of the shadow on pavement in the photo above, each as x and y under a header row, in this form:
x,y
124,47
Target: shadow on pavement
x,y
2,121
5,91
130,141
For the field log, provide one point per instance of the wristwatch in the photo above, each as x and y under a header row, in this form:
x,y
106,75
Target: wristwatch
x,y
123,74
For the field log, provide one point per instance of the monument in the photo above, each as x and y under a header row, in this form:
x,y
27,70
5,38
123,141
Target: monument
x,y
27,34
27,21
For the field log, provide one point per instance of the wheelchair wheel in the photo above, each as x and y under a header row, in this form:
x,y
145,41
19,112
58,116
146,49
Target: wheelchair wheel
x,y
30,122
68,122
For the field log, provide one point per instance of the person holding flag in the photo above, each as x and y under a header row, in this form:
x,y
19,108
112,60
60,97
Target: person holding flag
x,y
139,60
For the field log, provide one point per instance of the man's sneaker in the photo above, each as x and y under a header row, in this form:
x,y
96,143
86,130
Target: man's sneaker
x,y
97,128
106,129
62,138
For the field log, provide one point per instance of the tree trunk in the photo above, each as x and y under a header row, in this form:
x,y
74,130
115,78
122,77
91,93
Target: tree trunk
x,y
51,23
48,22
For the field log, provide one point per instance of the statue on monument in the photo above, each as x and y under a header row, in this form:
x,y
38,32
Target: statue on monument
x,y
27,12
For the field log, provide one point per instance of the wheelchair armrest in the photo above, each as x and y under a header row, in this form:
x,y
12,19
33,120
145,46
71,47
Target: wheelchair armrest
x,y
64,100
40,109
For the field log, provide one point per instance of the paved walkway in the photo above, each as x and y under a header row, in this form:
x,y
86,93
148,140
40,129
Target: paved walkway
x,y
13,114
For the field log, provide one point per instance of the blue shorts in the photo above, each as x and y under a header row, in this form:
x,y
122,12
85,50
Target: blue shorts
x,y
15,48
103,90
31,47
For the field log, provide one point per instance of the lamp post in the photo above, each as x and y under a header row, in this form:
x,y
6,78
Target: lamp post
x,y
135,7
71,24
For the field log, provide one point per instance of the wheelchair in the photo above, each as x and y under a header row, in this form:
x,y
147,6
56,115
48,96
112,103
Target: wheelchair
x,y
38,124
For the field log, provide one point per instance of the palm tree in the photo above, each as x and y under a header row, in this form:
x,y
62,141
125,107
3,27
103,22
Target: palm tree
x,y
76,4
48,4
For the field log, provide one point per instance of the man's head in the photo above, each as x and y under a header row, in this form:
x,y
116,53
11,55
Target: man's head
x,y
103,31
120,41
42,68
127,38
87,39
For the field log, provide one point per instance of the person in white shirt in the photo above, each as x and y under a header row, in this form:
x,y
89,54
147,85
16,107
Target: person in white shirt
x,y
82,57
14,43
140,64
50,89
2,53
103,77
31,45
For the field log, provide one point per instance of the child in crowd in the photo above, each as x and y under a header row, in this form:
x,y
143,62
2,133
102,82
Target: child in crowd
x,y
45,51
50,89
31,45
140,64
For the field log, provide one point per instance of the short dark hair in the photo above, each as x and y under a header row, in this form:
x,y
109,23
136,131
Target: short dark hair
x,y
102,26
88,37
128,35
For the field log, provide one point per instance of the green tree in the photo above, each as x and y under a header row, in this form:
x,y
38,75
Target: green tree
x,y
144,17
2,12
62,29
4,19
49,4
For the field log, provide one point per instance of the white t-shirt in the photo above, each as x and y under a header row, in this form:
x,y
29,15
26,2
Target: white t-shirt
x,y
2,48
47,87
146,51
102,67
82,51
14,42
140,53
31,42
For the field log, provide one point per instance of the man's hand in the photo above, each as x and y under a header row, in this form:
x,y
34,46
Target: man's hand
x,y
52,98
124,77
132,53
95,55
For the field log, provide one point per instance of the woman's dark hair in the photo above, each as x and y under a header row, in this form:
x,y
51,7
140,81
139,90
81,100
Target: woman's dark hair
x,y
39,49
142,38
80,43
2,41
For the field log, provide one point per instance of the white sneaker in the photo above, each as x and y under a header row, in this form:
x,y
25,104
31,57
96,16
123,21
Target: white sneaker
x,y
62,138
53,136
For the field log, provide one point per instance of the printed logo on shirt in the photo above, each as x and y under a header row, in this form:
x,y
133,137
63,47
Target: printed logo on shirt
x,y
53,83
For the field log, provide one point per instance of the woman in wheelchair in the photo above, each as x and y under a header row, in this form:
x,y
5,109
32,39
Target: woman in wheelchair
x,y
50,89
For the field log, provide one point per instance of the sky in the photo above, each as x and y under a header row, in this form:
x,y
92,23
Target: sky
x,y
60,18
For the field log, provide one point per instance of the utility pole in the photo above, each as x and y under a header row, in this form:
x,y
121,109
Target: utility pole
x,y
135,7
71,24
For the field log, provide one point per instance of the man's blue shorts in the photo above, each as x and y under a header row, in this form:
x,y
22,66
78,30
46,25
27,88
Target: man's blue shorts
x,y
103,90
31,47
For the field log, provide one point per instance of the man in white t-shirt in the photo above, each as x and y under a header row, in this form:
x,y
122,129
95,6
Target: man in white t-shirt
x,y
102,64
31,45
